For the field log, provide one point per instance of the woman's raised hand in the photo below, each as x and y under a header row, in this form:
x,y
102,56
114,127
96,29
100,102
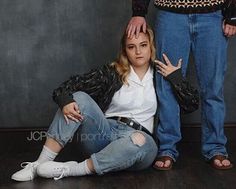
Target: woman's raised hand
x,y
71,111
167,68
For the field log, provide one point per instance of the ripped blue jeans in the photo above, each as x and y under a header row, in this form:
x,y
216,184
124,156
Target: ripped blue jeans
x,y
113,146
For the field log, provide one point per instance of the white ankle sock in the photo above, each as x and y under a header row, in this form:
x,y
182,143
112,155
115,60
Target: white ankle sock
x,y
46,155
79,169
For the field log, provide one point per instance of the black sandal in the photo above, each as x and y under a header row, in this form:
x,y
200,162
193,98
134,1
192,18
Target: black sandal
x,y
164,159
220,158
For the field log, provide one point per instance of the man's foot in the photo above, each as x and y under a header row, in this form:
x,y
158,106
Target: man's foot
x,y
27,173
220,162
56,170
163,163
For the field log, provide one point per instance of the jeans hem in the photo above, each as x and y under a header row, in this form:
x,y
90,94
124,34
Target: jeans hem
x,y
95,164
209,157
56,139
167,154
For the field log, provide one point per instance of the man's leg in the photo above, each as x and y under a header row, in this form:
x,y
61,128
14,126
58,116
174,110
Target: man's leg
x,y
172,38
210,51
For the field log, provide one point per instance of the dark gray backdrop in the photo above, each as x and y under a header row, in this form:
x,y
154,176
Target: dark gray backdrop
x,y
43,42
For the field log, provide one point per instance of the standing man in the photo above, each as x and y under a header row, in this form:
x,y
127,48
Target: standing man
x,y
202,27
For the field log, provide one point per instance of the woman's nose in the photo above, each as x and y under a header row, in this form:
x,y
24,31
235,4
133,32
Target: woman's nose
x,y
137,50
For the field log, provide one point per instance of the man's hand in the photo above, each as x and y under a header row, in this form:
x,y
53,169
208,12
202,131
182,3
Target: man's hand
x,y
71,111
136,24
229,30
168,68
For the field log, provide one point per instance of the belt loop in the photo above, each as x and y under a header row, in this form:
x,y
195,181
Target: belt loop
x,y
118,120
140,127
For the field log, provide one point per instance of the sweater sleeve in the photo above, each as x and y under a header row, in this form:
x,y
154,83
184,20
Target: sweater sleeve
x,y
186,95
93,83
140,7
229,12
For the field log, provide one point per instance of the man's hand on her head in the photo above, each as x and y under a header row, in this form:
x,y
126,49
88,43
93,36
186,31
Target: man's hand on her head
x,y
136,24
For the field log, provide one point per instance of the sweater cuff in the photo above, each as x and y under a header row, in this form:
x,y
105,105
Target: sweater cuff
x,y
139,13
175,77
229,12
231,21
62,101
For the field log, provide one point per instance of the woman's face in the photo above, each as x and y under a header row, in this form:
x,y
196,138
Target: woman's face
x,y
138,50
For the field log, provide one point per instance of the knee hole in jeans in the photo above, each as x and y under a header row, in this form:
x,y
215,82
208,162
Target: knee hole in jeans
x,y
138,138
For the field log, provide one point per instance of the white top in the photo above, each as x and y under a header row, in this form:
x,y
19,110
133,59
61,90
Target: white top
x,y
136,100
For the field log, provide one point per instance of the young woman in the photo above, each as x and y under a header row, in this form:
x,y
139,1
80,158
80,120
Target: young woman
x,y
116,105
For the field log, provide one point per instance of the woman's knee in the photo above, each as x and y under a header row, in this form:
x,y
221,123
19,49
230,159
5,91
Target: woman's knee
x,y
81,97
84,101
138,138
147,149
142,139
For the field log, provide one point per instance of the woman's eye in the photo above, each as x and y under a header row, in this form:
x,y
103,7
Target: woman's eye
x,y
144,45
130,47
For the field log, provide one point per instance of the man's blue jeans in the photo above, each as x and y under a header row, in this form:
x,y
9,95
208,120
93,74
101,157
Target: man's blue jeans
x,y
177,35
113,146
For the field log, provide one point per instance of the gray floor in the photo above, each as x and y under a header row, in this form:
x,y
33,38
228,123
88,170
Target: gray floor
x,y
191,171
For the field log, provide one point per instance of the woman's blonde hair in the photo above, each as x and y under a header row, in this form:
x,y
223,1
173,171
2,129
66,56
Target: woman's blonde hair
x,y
122,63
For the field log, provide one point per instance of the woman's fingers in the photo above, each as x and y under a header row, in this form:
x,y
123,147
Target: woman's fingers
x,y
168,68
71,112
161,67
162,73
166,59
160,64
165,70
180,63
66,119
76,107
71,117
80,117
76,115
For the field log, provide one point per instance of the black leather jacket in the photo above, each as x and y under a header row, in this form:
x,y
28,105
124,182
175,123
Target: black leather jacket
x,y
101,85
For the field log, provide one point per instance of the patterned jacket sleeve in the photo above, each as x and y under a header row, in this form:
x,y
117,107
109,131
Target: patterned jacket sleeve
x,y
140,7
93,83
186,95
229,12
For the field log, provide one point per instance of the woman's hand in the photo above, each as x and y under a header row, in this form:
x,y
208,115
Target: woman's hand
x,y
71,111
168,68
